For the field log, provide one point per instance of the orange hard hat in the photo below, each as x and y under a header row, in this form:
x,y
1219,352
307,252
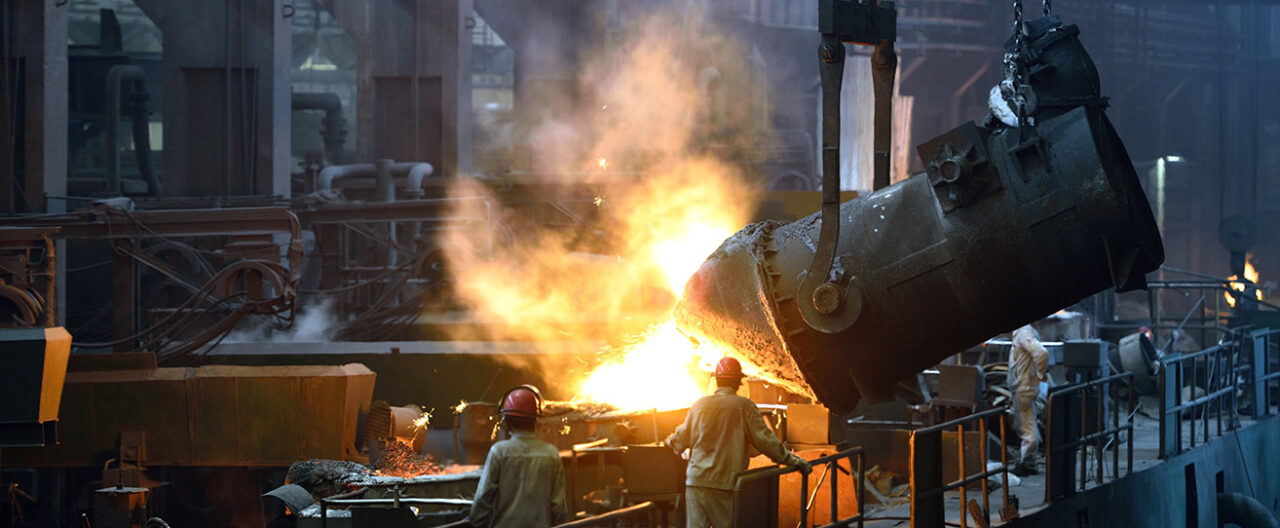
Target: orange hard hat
x,y
524,400
728,367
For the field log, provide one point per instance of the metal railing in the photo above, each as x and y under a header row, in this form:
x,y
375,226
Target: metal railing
x,y
755,493
927,488
611,518
1261,348
395,502
1214,372
1077,417
1206,315
575,452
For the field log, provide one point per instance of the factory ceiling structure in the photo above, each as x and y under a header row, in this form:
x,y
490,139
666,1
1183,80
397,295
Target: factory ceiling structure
x,y
305,262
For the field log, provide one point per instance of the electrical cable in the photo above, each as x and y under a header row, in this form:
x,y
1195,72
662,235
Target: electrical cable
x,y
197,298
88,267
154,233
138,335
366,282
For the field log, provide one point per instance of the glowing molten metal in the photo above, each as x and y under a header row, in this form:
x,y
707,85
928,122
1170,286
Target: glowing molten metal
x,y
654,373
658,369
1251,275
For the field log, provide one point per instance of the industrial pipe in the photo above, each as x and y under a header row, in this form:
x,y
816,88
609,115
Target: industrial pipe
x,y
1244,511
997,234
415,172
334,131
141,133
386,183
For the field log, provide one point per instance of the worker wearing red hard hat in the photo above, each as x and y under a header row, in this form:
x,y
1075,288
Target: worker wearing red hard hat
x,y
717,431
522,484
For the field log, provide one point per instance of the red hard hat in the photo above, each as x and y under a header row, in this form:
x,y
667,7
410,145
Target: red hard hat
x,y
522,401
728,367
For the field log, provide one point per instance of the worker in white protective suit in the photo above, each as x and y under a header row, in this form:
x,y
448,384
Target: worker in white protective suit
x,y
718,431
1028,368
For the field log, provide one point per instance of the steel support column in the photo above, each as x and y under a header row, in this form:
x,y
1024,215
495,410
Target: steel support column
x,y
227,107
124,296
34,94
413,79
925,477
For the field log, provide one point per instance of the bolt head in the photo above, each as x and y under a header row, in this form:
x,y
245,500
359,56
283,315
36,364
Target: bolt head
x,y
826,298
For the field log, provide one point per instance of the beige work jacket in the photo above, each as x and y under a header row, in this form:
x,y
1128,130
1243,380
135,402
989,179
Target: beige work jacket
x,y
718,431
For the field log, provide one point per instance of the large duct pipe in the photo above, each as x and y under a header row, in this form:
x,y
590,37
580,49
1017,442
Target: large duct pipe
x,y
385,182
334,131
139,99
415,172
998,234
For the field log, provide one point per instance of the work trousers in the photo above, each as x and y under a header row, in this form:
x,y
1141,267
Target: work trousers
x,y
1024,418
708,507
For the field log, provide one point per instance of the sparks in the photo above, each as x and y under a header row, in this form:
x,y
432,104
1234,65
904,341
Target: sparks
x,y
422,421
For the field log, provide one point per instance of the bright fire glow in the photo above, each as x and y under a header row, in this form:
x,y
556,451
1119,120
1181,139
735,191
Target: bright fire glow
x,y
656,371
683,219
652,233
683,253
1251,275
653,373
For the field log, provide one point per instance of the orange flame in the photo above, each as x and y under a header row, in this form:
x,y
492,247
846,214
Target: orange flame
x,y
673,230
651,234
1250,275
651,374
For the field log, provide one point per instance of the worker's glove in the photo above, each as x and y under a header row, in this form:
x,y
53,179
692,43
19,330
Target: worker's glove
x,y
803,465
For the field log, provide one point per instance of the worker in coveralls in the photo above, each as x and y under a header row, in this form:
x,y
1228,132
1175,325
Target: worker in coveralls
x,y
717,431
522,485
1028,367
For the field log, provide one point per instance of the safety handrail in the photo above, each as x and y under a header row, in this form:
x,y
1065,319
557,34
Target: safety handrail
x,y
1259,348
1221,382
574,451
926,469
611,517
831,462
1060,452
395,501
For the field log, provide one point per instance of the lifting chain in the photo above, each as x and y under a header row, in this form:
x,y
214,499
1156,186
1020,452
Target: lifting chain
x,y
1014,88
